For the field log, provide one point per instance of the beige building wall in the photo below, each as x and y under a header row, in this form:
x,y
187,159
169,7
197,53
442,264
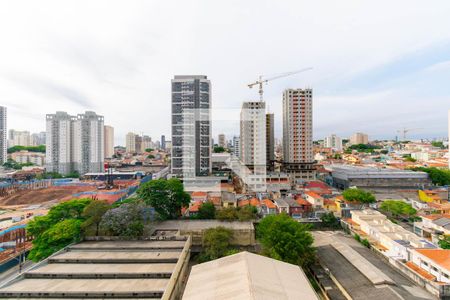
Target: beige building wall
x,y
109,141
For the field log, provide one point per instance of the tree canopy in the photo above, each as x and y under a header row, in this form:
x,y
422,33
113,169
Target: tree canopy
x,y
285,239
125,220
60,227
445,243
207,211
437,176
93,213
244,213
216,242
358,195
40,148
166,196
219,149
329,220
398,208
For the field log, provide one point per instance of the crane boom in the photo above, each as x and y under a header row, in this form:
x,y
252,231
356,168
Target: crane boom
x,y
262,80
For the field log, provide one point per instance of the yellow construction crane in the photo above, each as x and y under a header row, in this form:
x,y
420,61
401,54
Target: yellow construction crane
x,y
262,80
404,131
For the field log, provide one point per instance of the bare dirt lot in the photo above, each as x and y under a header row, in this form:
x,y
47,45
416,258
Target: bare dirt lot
x,y
43,195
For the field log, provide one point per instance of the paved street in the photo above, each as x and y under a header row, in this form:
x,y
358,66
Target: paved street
x,y
354,281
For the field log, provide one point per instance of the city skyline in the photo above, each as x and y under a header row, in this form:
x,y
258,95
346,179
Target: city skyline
x,y
124,76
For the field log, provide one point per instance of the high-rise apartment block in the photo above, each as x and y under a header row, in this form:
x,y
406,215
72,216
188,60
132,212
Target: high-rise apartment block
x,y
88,143
3,135
359,138
237,146
38,139
333,142
163,142
59,142
191,126
253,133
298,158
270,141
109,141
19,138
74,143
130,142
222,141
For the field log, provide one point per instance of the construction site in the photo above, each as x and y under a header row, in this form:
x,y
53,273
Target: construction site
x,y
21,201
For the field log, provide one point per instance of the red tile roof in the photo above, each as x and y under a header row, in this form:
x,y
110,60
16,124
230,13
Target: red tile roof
x,y
439,256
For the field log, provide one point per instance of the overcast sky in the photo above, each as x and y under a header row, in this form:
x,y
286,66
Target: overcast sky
x,y
378,66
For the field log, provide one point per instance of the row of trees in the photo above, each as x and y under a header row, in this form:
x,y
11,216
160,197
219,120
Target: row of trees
x,y
12,164
438,176
280,236
398,209
40,148
67,222
358,195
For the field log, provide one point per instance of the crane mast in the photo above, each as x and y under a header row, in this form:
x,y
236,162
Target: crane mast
x,y
263,80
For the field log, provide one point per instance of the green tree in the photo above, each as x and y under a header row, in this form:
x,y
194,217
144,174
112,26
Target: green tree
x,y
40,148
125,220
206,211
247,213
284,239
219,149
329,220
358,195
60,227
166,196
227,214
93,214
445,242
149,150
150,156
397,208
216,242
55,238
438,176
409,159
439,144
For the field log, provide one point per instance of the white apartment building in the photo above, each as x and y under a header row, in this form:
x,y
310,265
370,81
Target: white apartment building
x,y
222,141
147,143
333,142
24,156
38,139
88,143
59,142
19,138
109,141
359,138
3,135
253,143
74,143
298,157
130,142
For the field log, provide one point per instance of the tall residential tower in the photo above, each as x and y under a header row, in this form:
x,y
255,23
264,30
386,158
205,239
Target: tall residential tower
x,y
191,126
109,141
59,142
3,133
298,158
88,143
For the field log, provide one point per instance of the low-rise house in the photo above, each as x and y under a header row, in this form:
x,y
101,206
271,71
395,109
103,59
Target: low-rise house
x,y
434,262
432,227
391,239
199,196
215,198
229,199
268,207
282,206
315,199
